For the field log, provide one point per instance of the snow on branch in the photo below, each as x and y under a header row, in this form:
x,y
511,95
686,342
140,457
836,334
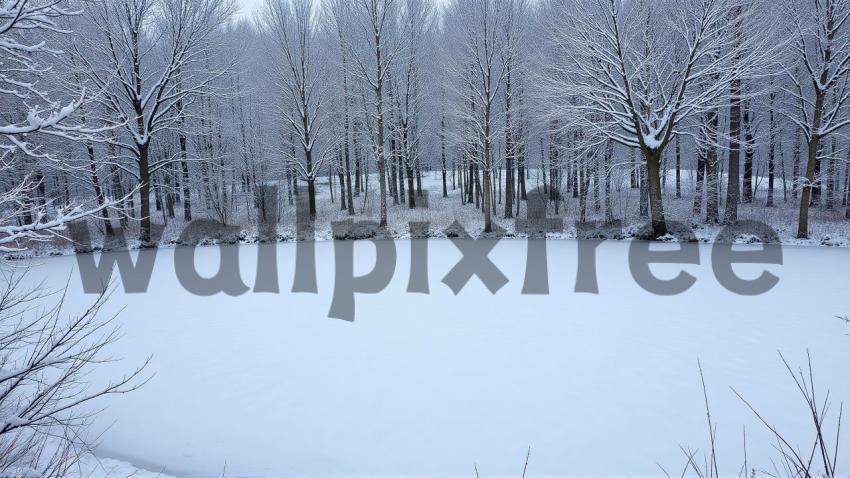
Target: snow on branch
x,y
635,72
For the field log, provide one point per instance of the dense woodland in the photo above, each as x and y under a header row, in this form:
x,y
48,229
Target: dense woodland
x,y
139,113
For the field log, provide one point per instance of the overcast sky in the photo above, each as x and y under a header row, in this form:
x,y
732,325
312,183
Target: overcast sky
x,y
249,6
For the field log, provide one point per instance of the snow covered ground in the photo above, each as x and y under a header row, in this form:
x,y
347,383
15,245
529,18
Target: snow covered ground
x,y
90,466
827,227
265,385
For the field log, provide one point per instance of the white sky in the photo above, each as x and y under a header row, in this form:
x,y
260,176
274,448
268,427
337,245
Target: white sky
x,y
249,6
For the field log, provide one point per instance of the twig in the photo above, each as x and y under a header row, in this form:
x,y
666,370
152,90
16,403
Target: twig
x,y
525,468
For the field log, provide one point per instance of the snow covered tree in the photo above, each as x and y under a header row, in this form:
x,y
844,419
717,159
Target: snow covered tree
x,y
479,68
375,49
340,24
24,30
293,26
147,60
637,72
169,99
818,95
45,395
29,36
513,31
407,91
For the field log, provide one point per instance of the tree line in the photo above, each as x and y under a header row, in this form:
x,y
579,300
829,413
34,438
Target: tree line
x,y
152,111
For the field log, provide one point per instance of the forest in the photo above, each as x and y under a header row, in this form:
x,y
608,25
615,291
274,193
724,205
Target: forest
x,y
143,115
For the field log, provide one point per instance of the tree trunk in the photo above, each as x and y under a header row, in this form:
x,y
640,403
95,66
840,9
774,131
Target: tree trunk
x,y
749,154
656,204
187,194
806,196
402,178
795,171
289,183
348,187
358,183
700,179
477,173
331,183
522,171
498,185
817,186
443,157
98,192
609,161
830,178
488,170
411,190
712,176
733,190
343,199
393,168
811,166
644,190
118,192
461,174
585,185
509,177
470,184
847,191
771,154
678,169
311,185
454,172
781,155
597,186
543,169
635,179
145,193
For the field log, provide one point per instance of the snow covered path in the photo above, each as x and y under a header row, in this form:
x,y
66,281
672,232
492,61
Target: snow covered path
x,y
602,384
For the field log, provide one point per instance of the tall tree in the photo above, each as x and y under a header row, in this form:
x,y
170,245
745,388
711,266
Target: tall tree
x,y
481,70
293,27
408,91
147,59
28,30
635,75
339,18
375,53
513,33
818,96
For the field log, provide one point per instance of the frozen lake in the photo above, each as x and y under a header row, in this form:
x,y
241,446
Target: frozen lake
x,y
606,384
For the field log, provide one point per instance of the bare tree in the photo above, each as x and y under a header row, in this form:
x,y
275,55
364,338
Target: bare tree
x,y
480,72
408,90
25,27
146,58
818,96
44,359
375,50
44,389
629,73
293,26
339,18
514,65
